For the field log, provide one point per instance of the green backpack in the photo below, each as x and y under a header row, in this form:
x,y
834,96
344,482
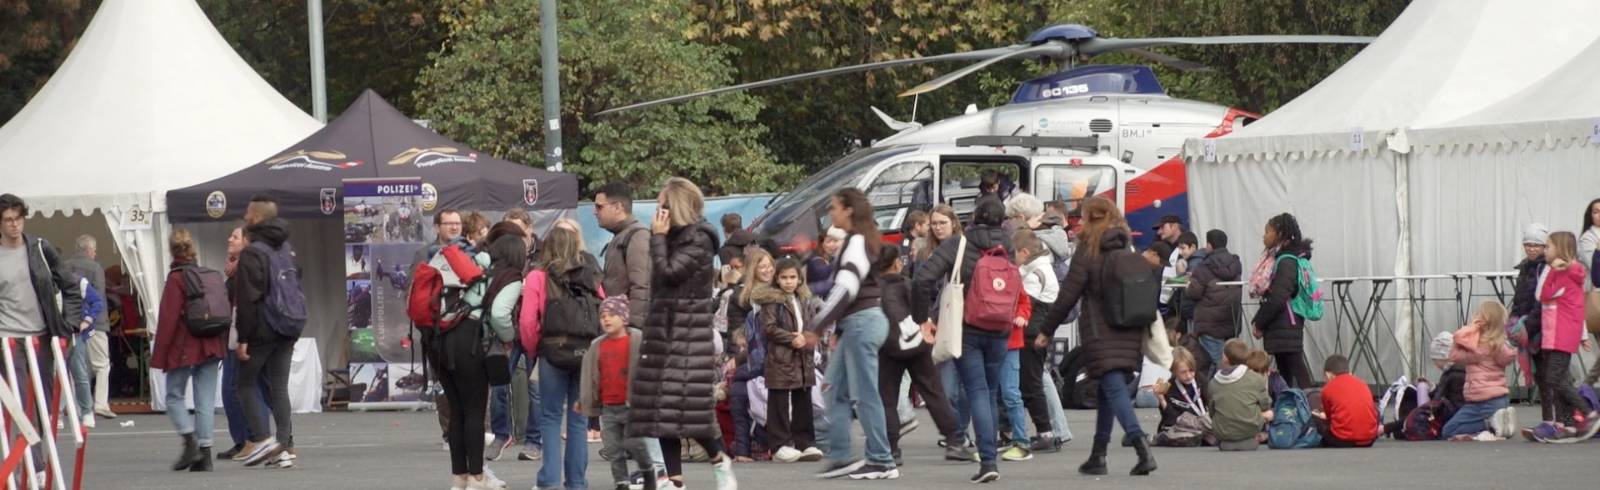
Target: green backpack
x,y
1307,302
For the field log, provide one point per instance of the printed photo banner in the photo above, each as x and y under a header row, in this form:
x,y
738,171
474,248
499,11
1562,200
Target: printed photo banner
x,y
384,229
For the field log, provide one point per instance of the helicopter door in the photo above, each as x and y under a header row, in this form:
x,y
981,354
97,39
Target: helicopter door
x,y
1073,184
959,176
898,190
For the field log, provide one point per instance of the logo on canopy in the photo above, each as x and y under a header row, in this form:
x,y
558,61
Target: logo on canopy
x,y
216,204
313,160
530,191
430,197
428,157
329,204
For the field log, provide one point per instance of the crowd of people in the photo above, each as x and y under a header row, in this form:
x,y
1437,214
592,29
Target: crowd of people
x,y
775,355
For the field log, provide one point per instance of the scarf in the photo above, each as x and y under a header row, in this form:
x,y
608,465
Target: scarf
x,y
1261,278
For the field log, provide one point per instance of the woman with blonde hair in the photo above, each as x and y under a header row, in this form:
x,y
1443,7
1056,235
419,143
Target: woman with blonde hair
x,y
1115,353
184,357
674,393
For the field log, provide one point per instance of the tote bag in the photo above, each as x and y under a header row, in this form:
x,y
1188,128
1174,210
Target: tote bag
x,y
952,306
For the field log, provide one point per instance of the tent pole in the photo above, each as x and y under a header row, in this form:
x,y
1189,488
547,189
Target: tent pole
x,y
319,78
550,65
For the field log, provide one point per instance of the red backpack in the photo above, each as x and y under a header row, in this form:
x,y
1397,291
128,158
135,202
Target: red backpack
x,y
438,286
991,302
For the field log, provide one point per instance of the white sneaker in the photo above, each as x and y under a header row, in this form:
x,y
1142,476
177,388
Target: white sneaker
x,y
494,482
88,421
458,482
1507,422
787,454
811,454
1486,436
723,471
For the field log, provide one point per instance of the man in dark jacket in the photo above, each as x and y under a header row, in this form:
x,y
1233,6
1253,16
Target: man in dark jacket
x,y
1216,306
263,351
981,350
31,274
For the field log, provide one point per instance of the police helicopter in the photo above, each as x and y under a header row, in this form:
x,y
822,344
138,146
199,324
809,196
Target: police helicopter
x,y
1093,130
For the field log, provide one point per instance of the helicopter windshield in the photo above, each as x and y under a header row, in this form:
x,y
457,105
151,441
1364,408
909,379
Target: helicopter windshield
x,y
847,171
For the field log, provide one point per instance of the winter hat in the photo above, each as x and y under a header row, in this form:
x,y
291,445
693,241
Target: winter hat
x,y
1535,234
615,305
1439,349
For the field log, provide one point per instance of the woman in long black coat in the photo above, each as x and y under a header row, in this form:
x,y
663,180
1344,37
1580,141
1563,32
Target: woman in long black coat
x,y
674,390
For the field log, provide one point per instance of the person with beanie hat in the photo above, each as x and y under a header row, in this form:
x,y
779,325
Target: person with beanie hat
x,y
605,383
1525,309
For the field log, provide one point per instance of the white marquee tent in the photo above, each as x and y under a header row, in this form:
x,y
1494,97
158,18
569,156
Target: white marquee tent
x,y
152,98
1425,154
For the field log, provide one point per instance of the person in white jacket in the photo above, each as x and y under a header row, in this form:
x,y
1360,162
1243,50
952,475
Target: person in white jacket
x,y
1043,405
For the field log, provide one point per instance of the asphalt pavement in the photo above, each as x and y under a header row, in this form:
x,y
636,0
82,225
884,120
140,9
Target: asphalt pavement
x,y
402,450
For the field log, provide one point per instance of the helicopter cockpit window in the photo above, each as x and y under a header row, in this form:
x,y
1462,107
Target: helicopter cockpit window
x,y
1073,184
899,189
962,179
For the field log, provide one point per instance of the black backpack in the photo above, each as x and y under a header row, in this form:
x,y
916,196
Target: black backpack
x,y
571,321
1130,290
206,310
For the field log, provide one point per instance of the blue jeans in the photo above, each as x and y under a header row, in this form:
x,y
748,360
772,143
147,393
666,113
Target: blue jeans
x,y
981,357
853,376
1213,347
1473,418
202,424
1052,398
500,402
1116,402
78,364
1011,395
232,407
950,375
558,389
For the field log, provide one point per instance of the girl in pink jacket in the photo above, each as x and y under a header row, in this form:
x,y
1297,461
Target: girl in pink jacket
x,y
1481,349
1561,304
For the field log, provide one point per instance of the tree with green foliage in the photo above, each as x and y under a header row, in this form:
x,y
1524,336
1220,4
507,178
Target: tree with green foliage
x,y
484,90
377,44
35,37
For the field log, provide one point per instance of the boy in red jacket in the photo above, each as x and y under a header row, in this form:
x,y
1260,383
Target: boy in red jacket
x,y
1348,417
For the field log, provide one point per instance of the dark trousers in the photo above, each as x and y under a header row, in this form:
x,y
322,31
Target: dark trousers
x,y
785,428
672,452
232,407
271,361
925,381
1328,440
746,434
1292,366
1033,359
1555,388
466,386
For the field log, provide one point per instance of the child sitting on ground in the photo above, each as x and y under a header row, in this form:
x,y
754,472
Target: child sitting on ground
x,y
1185,418
1348,417
605,384
1238,398
1260,362
1481,347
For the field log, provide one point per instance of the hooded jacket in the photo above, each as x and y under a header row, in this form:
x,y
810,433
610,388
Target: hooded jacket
x,y
252,281
1215,305
175,348
674,390
783,318
1561,297
1282,331
1237,397
903,331
934,272
627,268
1054,236
1108,348
1485,364
1525,302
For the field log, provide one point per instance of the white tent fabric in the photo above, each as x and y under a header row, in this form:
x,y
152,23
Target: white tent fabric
x,y
1508,77
151,99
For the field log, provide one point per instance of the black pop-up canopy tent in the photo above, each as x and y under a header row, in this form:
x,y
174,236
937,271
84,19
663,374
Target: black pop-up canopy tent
x,y
372,139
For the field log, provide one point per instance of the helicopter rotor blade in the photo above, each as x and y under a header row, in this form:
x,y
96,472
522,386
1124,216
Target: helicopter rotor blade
x,y
1057,50
1174,62
966,55
1104,45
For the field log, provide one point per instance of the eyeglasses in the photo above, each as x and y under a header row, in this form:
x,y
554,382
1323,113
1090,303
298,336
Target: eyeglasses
x,y
12,221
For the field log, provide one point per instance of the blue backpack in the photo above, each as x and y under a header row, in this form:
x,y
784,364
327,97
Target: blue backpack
x,y
756,361
284,308
1291,426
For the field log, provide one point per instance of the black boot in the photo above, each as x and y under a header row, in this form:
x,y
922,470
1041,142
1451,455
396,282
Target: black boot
x,y
1147,461
204,463
190,453
1096,465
